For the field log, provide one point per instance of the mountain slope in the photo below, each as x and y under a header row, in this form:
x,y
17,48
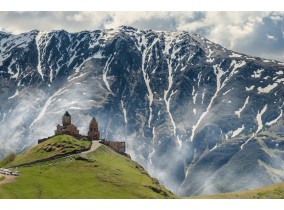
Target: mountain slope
x,y
275,191
173,96
102,173
55,146
229,168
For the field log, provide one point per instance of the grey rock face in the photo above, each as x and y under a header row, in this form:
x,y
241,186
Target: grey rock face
x,y
172,96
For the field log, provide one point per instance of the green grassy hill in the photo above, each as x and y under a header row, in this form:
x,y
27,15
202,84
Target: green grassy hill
x,y
102,173
275,191
56,145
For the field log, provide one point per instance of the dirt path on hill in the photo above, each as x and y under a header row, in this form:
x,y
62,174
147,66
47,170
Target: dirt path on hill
x,y
8,179
95,145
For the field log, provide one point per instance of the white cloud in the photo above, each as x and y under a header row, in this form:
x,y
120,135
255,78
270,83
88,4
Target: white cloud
x,y
227,28
271,37
276,16
239,31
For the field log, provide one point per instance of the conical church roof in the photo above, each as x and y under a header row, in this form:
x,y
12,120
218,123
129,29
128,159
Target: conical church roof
x,y
94,120
67,114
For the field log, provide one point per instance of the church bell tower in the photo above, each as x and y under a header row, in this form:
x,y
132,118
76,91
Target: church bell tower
x,y
94,132
66,119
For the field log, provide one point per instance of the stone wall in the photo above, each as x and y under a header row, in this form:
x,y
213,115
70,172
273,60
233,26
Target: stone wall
x,y
118,146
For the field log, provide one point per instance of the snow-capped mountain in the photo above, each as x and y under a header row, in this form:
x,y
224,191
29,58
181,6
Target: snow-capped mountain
x,y
182,103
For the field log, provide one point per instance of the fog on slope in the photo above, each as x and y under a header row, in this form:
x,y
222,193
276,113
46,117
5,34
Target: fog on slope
x,y
20,109
175,98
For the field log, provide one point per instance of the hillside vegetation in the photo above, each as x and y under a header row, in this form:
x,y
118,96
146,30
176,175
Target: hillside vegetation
x,y
57,145
8,159
275,191
102,173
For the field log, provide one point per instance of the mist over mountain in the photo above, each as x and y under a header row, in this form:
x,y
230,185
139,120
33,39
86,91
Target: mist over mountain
x,y
191,112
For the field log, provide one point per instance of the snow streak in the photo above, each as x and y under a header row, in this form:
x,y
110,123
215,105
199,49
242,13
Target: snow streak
x,y
38,54
105,71
47,103
219,85
153,150
275,120
267,89
146,76
250,88
259,123
13,96
124,111
238,131
166,92
238,113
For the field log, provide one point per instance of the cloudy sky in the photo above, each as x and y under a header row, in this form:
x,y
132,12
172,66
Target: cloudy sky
x,y
254,33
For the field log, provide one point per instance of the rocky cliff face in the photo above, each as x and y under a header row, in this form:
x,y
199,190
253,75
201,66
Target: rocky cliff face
x,y
177,99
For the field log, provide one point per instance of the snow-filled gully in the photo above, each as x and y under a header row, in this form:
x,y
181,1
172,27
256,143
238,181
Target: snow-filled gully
x,y
219,85
146,76
38,54
259,125
105,71
167,97
238,113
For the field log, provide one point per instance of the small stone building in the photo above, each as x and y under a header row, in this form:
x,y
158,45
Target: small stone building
x,y
67,127
118,146
94,132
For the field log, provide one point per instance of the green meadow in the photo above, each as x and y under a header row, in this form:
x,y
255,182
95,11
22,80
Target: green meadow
x,y
102,173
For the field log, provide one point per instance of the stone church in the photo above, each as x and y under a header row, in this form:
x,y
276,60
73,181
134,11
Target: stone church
x,y
67,127
93,134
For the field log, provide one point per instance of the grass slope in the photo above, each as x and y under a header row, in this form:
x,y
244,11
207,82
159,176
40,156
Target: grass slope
x,y
102,173
56,145
275,191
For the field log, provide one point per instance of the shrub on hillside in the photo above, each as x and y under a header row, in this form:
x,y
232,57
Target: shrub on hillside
x,y
8,159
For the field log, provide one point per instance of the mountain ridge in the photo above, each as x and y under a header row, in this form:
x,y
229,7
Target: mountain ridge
x,y
171,95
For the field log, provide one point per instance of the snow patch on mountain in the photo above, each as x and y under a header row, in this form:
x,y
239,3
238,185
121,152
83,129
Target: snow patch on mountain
x,y
216,145
276,119
235,55
219,85
38,37
173,93
250,88
257,74
143,44
167,97
279,72
47,103
259,123
106,69
267,89
259,119
227,91
238,113
13,96
124,111
238,131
